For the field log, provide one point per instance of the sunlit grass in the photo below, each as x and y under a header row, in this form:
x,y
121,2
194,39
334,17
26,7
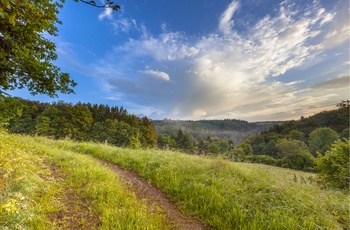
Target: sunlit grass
x,y
229,195
107,196
27,193
224,194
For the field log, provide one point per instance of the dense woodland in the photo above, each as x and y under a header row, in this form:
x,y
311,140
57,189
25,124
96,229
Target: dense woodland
x,y
82,122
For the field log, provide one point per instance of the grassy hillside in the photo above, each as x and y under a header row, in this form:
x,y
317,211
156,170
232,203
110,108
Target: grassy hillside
x,y
43,187
226,195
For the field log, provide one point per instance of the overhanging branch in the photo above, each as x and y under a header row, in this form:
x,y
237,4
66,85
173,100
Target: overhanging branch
x,y
108,4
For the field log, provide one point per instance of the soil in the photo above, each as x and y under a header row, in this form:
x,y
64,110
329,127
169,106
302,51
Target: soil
x,y
156,198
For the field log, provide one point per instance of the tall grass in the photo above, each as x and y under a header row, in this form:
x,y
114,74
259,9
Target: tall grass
x,y
230,195
107,196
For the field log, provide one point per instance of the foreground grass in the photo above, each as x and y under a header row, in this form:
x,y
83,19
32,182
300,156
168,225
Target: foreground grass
x,y
26,188
230,195
26,200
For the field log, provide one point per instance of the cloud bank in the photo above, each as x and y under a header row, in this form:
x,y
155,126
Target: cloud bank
x,y
225,74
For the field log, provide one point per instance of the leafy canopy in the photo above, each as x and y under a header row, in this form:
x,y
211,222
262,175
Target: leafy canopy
x,y
321,139
26,54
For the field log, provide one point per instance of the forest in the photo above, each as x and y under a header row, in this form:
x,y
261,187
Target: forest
x,y
81,122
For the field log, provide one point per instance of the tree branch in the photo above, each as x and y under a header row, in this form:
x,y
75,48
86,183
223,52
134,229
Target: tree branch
x,y
108,4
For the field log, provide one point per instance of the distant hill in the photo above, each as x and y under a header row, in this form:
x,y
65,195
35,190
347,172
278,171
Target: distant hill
x,y
232,129
337,119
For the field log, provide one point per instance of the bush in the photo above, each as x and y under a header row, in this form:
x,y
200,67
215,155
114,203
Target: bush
x,y
334,166
295,155
301,161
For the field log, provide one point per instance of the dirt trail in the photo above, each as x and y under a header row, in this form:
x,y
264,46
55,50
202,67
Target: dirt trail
x,y
156,198
73,211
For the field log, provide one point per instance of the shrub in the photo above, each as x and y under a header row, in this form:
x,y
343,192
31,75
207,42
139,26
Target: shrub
x,y
334,166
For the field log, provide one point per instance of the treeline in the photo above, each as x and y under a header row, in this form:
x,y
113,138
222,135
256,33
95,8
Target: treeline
x,y
297,143
81,121
292,144
228,129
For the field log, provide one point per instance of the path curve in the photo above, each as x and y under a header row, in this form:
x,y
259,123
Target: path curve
x,y
154,196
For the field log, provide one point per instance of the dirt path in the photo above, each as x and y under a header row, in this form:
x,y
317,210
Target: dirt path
x,y
156,198
73,211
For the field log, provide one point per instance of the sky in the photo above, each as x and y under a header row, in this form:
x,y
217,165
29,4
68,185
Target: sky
x,y
255,60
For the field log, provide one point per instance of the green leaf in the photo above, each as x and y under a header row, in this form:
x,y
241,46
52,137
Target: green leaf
x,y
12,18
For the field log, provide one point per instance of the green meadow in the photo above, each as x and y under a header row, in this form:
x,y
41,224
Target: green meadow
x,y
223,194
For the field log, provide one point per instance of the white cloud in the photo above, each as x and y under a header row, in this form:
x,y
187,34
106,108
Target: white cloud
x,y
157,74
226,22
107,13
118,21
226,74
166,47
339,26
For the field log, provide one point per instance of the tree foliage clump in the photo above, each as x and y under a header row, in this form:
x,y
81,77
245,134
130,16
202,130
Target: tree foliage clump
x,y
321,139
334,166
295,154
26,53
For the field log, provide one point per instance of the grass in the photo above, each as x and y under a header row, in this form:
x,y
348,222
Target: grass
x,y
229,195
25,187
226,195
27,199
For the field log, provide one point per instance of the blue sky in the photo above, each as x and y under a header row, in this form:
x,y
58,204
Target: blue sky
x,y
253,60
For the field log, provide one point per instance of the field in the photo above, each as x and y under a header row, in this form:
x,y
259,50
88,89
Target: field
x,y
47,184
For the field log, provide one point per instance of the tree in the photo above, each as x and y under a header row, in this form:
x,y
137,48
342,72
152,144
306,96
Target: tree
x,y
296,135
270,149
214,149
321,140
343,104
246,147
183,141
25,52
48,123
148,132
334,166
295,153
9,108
345,133
166,142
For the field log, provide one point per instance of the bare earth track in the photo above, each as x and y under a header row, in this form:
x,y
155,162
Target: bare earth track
x,y
73,211
156,198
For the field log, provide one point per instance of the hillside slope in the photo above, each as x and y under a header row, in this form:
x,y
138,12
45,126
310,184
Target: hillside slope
x,y
231,195
225,195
